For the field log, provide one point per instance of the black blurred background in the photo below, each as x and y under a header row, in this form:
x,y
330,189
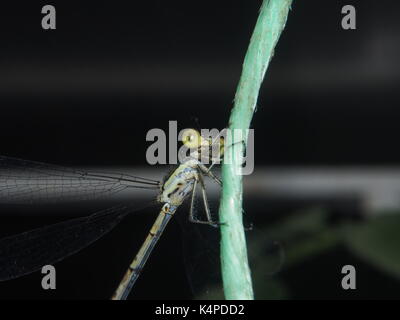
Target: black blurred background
x,y
86,94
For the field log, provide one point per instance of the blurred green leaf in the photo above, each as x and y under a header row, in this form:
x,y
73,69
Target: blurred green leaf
x,y
302,222
269,288
294,239
311,246
378,242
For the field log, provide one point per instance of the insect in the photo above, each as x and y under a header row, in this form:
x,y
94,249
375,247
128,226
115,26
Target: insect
x,y
27,181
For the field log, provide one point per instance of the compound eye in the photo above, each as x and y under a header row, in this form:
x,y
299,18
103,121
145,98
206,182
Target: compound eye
x,y
191,138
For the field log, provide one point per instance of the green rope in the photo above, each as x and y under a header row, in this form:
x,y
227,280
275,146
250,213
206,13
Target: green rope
x,y
235,269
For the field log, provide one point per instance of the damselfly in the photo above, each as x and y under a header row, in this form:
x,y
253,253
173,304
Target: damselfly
x,y
27,181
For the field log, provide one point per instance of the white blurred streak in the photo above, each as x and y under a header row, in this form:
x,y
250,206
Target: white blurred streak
x,y
377,188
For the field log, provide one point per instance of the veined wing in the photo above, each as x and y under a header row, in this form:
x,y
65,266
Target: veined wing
x,y
24,181
29,251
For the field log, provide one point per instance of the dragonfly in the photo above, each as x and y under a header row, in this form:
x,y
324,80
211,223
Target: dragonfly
x,y
24,181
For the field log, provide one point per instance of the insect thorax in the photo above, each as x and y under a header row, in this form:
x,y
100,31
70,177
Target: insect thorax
x,y
180,183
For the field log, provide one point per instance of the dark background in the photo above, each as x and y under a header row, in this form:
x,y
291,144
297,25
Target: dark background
x,y
86,93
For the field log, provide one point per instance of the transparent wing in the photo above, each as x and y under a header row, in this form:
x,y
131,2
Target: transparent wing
x,y
29,251
201,251
201,259
24,181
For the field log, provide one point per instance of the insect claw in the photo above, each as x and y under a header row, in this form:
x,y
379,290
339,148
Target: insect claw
x,y
249,227
217,224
